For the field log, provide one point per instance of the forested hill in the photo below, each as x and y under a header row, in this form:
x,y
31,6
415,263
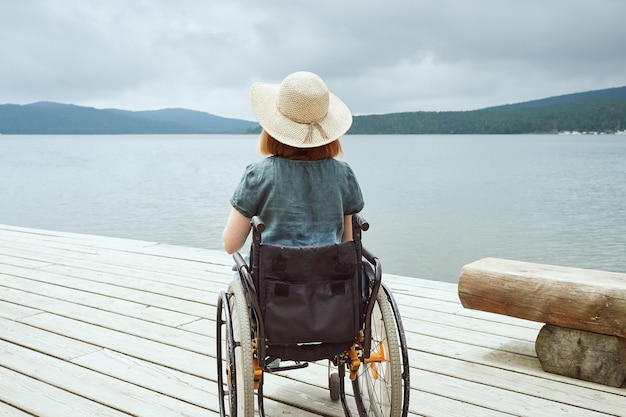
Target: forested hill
x,y
54,118
593,111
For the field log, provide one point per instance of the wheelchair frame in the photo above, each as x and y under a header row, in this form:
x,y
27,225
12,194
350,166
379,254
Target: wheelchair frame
x,y
244,344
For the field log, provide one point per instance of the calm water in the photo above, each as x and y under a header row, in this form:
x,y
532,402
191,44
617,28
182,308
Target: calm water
x,y
435,202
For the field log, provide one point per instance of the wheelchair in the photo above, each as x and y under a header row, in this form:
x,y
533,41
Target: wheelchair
x,y
291,306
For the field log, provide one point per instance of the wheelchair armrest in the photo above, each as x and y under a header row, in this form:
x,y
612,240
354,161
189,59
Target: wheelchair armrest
x,y
258,224
244,272
239,261
360,221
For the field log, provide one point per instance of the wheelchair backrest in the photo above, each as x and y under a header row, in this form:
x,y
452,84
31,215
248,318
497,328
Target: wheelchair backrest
x,y
309,303
309,295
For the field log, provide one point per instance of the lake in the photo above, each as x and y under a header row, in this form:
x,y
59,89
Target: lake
x,y
435,203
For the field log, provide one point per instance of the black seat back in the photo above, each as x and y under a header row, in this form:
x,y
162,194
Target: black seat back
x,y
309,297
310,303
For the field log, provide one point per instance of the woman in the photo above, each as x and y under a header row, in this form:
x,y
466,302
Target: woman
x,y
305,196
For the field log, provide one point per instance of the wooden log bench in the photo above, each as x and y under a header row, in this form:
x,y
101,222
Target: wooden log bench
x,y
584,312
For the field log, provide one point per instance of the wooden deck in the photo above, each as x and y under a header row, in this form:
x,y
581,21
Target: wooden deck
x,y
96,326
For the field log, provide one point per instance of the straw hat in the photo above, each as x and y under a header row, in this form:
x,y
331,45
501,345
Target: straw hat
x,y
300,111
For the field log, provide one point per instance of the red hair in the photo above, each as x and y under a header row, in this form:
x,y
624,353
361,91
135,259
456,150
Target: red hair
x,y
270,146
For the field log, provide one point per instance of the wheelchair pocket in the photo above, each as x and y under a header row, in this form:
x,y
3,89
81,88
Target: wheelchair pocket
x,y
310,311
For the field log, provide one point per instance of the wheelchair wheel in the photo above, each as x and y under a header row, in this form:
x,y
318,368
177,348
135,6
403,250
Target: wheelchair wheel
x,y
334,386
378,387
237,344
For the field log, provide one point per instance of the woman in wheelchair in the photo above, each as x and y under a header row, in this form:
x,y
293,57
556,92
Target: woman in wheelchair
x,y
305,196
309,291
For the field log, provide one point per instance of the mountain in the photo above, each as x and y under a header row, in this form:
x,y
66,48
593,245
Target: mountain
x,y
195,119
56,118
597,111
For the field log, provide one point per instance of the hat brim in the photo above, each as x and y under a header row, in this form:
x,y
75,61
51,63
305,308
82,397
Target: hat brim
x,y
336,123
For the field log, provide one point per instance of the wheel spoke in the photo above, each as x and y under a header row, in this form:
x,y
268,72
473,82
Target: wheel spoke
x,y
378,386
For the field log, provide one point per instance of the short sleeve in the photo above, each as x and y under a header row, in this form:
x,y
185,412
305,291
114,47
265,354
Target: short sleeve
x,y
244,199
353,200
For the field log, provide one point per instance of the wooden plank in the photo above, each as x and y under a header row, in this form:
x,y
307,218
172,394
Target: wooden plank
x,y
15,311
118,322
20,261
163,352
8,411
135,258
518,384
433,290
167,356
583,299
468,337
428,404
476,324
49,237
308,397
513,363
110,320
38,398
155,293
94,245
193,275
37,339
422,403
497,399
156,308
98,268
110,392
189,388
155,377
513,375
202,326
55,238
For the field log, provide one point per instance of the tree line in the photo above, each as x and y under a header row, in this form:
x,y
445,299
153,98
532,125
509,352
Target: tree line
x,y
584,116
602,111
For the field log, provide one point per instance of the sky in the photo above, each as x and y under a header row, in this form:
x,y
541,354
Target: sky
x,y
378,56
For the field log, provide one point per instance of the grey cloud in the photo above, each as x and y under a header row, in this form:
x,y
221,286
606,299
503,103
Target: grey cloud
x,y
397,55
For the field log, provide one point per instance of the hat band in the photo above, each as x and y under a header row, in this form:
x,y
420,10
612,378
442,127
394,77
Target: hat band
x,y
309,136
315,124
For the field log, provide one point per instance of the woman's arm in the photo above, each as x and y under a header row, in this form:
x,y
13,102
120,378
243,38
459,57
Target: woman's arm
x,y
347,228
235,232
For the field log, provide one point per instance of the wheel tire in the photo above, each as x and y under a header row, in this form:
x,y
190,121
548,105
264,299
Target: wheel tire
x,y
242,403
378,387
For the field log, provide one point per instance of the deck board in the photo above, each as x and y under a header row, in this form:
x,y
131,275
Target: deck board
x,y
93,325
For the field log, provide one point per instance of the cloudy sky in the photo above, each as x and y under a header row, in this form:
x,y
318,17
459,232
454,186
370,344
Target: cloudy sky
x,y
379,56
